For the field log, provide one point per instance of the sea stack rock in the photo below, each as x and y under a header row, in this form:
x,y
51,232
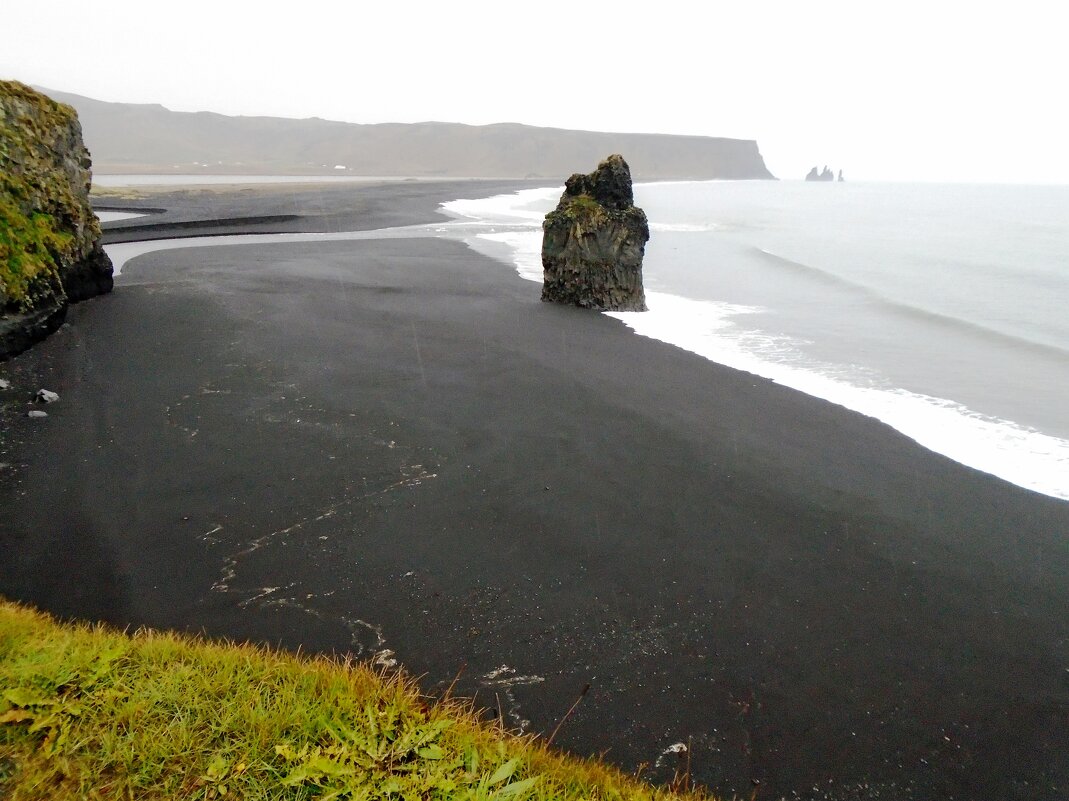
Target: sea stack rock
x,y
594,241
823,175
50,253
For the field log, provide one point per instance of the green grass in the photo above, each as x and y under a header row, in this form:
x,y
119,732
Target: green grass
x,y
86,712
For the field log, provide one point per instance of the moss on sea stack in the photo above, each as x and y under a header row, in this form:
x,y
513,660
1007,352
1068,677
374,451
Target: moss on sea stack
x,y
50,252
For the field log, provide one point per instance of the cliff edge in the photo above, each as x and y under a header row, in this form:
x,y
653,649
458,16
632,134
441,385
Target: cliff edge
x,y
594,241
50,253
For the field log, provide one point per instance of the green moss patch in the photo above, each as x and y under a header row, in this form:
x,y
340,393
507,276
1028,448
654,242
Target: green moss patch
x,y
45,219
581,209
30,249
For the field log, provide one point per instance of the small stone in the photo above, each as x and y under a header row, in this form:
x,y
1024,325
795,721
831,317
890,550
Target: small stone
x,y
36,414
4,384
46,396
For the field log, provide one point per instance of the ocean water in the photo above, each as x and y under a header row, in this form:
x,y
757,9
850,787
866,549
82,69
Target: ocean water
x,y
938,309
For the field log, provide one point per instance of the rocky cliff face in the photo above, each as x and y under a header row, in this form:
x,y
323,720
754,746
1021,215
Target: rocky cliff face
x,y
594,241
50,254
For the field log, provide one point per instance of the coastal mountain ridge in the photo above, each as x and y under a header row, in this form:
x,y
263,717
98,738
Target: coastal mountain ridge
x,y
149,138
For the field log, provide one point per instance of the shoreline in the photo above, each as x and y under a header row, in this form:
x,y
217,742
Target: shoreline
x,y
939,425
287,208
394,445
1014,452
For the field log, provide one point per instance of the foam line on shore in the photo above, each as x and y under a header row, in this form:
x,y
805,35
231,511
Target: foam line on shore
x,y
1020,455
1002,448
510,227
107,215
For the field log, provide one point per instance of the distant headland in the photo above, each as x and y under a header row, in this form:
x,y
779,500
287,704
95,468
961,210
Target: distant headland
x,y
148,138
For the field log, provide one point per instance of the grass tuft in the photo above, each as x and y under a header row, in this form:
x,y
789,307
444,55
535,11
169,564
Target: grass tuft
x,y
86,712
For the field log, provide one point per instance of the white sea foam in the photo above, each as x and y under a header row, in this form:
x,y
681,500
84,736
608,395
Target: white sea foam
x,y
526,249
515,208
529,206
718,332
1022,456
113,216
684,228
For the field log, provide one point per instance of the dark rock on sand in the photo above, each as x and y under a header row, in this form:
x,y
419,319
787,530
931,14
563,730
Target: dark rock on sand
x,y
89,277
20,330
50,254
594,241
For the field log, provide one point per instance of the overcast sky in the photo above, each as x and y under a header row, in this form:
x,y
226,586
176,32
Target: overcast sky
x,y
908,90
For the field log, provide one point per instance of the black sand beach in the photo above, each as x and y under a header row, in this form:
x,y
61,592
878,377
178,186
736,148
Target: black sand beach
x,y
212,210
394,448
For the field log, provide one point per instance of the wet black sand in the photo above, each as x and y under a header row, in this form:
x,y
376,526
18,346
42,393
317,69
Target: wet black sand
x,y
393,446
288,208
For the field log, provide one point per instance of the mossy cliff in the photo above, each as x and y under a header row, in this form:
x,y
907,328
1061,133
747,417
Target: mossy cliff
x,y
594,241
50,254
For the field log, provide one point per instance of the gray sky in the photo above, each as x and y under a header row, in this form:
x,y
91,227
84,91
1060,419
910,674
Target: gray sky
x,y
907,90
